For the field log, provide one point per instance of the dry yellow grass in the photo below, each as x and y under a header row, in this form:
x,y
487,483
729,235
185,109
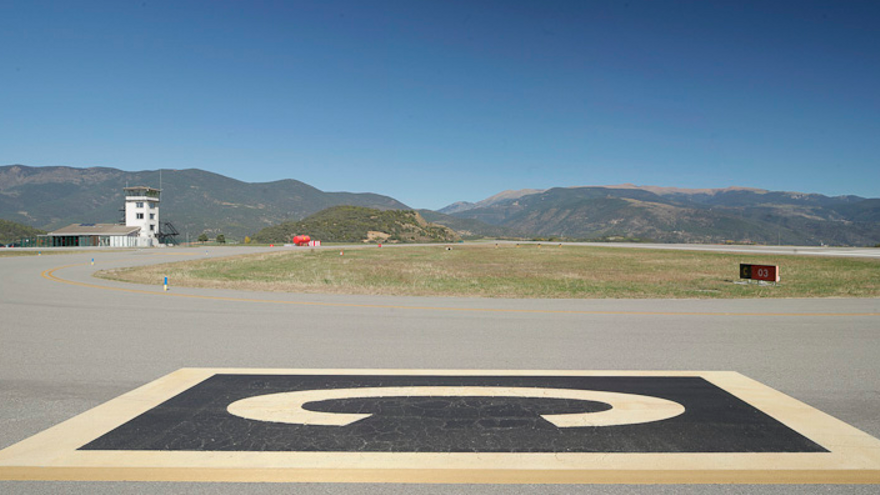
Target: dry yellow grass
x,y
528,271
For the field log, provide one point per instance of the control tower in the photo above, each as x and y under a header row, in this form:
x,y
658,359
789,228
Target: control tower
x,y
142,210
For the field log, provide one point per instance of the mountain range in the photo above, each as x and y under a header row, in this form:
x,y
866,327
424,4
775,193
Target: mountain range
x,y
197,201
734,214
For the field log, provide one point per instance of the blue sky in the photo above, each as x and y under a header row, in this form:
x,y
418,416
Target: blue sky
x,y
432,102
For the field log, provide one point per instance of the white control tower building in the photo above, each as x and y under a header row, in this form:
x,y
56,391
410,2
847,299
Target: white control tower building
x,y
142,210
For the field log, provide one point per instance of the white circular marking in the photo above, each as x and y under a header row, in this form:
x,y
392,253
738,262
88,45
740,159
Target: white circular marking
x,y
287,407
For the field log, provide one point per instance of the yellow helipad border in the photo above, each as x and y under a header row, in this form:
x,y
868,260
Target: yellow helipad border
x,y
854,456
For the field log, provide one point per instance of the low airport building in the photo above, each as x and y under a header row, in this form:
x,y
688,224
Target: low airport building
x,y
94,234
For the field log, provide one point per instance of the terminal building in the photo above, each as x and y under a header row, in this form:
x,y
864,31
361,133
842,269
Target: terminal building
x,y
141,228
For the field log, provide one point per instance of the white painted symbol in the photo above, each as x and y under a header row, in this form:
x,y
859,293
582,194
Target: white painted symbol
x,y
287,407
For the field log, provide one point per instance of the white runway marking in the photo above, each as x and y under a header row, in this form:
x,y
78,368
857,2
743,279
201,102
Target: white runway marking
x,y
288,407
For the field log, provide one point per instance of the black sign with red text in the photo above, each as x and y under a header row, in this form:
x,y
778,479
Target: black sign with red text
x,y
769,273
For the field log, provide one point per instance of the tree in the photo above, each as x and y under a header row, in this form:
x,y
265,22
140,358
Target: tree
x,y
247,240
203,237
221,239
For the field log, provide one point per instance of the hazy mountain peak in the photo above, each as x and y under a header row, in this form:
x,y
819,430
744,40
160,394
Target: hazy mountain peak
x,y
660,190
460,206
509,194
19,175
457,207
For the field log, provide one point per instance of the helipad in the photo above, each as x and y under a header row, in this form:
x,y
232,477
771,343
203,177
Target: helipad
x,y
450,426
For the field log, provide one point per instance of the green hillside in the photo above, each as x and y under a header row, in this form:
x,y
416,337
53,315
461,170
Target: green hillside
x,y
11,232
357,224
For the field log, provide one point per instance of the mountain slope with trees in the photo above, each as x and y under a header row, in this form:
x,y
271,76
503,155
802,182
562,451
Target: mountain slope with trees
x,y
469,228
357,224
12,232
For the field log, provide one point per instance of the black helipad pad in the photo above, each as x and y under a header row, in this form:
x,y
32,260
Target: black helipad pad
x,y
448,426
198,420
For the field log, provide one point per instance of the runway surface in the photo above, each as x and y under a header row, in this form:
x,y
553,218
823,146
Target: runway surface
x,y
70,344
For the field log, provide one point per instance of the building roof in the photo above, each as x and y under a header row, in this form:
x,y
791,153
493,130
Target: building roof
x,y
95,229
139,188
144,191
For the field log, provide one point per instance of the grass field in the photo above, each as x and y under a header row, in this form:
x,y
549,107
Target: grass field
x,y
528,271
9,253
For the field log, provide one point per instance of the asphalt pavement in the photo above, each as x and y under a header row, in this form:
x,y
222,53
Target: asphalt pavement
x,y
71,342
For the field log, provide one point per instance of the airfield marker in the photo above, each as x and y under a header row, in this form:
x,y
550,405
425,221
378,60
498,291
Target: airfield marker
x,y
117,441
166,284
93,261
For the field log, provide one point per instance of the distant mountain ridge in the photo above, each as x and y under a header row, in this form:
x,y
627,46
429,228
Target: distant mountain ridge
x,y
194,200
502,196
661,190
460,206
668,214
